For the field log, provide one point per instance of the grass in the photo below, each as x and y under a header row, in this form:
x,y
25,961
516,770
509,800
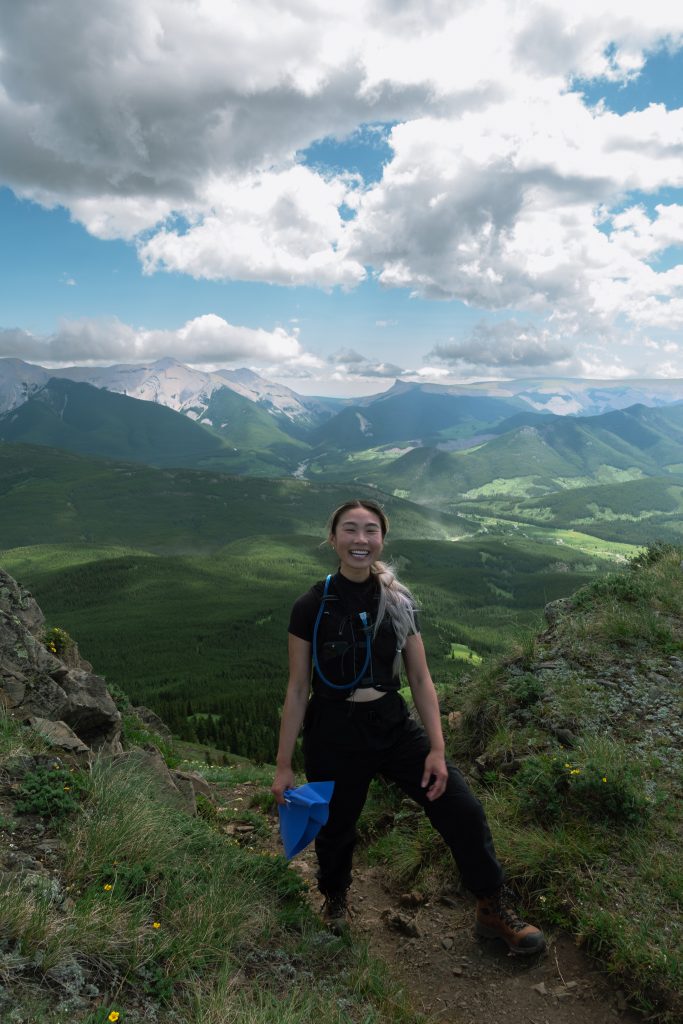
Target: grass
x,y
168,916
582,784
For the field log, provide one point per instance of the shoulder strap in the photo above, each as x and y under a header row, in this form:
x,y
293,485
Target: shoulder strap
x,y
368,645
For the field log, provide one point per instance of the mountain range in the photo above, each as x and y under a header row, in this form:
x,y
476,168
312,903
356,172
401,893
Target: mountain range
x,y
187,389
166,382
430,444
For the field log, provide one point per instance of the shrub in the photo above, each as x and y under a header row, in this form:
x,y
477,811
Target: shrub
x,y
525,690
50,792
541,785
59,642
604,796
549,787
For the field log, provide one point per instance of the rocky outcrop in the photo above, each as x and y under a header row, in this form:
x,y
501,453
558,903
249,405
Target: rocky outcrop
x,y
151,721
69,706
38,686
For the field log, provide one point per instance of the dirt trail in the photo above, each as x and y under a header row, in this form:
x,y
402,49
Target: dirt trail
x,y
450,975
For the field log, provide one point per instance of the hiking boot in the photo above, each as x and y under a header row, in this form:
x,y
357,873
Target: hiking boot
x,y
335,913
495,919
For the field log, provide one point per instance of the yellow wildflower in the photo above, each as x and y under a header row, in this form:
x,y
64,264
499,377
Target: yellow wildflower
x,y
156,924
67,789
108,888
575,771
114,1016
604,778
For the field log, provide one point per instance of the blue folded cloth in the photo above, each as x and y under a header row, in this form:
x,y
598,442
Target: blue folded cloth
x,y
304,812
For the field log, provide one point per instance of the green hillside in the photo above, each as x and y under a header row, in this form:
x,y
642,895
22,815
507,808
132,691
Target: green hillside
x,y
635,511
92,421
249,427
60,498
539,455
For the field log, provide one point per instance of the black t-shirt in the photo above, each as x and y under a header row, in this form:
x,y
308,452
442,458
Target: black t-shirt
x,y
356,597
341,661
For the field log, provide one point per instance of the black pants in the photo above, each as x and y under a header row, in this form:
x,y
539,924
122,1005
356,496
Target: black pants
x,y
350,743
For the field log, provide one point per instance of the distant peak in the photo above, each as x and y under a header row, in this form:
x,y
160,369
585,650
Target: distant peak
x,y
402,385
166,363
241,376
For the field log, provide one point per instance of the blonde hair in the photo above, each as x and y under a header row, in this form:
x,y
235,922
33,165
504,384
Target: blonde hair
x,y
394,597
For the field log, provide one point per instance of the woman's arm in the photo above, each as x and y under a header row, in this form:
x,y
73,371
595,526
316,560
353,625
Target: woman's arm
x,y
292,713
427,704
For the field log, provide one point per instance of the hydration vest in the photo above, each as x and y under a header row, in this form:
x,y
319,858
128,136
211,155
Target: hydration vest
x,y
347,655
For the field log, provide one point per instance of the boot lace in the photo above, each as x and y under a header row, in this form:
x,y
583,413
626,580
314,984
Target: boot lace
x,y
335,905
501,904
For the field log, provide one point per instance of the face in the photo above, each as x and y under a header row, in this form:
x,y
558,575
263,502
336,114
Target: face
x,y
358,541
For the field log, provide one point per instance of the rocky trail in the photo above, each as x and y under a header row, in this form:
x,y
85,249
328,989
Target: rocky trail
x,y
429,945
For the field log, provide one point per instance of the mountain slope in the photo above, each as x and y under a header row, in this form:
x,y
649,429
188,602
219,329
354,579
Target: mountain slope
x,y
246,425
547,453
92,421
87,420
410,413
169,382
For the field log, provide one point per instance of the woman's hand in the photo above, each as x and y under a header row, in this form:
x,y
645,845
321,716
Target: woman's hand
x,y
435,769
284,779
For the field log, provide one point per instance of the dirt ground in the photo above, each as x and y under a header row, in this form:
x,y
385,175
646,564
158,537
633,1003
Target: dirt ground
x,y
450,975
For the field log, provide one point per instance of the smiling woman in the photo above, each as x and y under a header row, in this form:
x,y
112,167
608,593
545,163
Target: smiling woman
x,y
347,637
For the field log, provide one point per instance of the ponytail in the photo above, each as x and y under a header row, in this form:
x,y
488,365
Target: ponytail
x,y
396,599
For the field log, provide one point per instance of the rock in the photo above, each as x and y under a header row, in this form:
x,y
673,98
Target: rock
x,y
35,684
447,942
147,761
541,988
69,976
565,736
18,766
458,971
185,787
91,712
554,610
15,600
197,782
412,899
58,734
401,923
152,722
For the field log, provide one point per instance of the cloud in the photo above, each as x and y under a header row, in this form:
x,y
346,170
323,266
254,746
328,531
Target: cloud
x,y
205,339
351,364
177,125
284,228
512,207
508,344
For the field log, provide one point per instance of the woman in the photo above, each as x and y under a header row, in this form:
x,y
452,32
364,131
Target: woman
x,y
347,637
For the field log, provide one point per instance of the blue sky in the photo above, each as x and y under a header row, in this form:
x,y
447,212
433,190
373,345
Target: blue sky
x,y
334,215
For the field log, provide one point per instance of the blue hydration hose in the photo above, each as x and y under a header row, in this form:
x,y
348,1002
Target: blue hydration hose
x,y
368,647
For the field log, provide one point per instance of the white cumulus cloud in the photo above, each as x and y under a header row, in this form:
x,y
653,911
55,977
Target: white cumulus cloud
x,y
203,340
179,125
